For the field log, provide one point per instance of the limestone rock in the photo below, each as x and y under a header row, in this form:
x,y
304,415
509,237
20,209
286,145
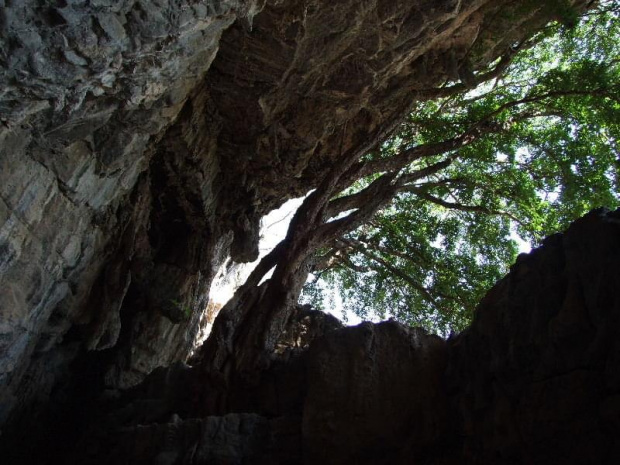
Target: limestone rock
x,y
141,141
534,380
86,88
233,439
372,390
536,376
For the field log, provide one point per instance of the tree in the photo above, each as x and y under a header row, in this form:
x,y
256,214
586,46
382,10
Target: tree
x,y
420,224
525,153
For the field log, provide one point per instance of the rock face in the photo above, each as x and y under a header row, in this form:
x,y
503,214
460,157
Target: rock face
x,y
231,439
88,89
534,380
372,389
140,144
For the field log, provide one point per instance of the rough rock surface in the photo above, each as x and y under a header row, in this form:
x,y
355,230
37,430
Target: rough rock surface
x,y
537,375
534,380
235,438
140,143
88,88
372,389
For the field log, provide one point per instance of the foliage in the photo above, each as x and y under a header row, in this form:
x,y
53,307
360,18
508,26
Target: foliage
x,y
528,152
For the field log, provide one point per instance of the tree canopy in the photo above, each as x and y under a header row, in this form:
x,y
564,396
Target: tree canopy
x,y
522,149
416,224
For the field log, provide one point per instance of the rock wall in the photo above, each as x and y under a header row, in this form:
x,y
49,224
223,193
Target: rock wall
x,y
88,89
536,377
141,142
534,380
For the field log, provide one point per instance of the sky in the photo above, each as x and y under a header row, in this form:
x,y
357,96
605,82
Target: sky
x,y
273,230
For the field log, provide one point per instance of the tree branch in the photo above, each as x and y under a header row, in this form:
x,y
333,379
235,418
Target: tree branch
x,y
384,191
405,277
458,206
354,201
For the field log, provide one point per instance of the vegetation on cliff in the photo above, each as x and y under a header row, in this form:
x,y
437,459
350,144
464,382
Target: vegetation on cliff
x,y
525,153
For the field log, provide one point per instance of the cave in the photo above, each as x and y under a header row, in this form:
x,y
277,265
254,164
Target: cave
x,y
141,143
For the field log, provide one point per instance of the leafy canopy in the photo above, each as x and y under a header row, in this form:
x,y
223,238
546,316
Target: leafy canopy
x,y
537,148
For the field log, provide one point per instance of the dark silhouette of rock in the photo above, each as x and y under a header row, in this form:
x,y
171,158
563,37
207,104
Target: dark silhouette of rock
x,y
140,144
536,376
534,380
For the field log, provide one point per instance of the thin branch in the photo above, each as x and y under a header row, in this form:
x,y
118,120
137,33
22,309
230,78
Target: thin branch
x,y
387,250
407,178
405,277
501,67
442,182
458,206
538,98
408,156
